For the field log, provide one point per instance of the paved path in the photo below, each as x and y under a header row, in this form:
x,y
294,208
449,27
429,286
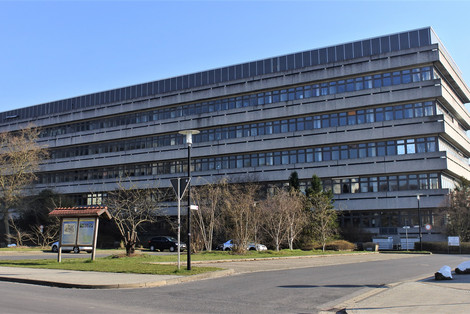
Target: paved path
x,y
425,296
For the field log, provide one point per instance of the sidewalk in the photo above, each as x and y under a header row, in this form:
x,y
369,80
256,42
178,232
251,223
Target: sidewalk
x,y
424,295
96,280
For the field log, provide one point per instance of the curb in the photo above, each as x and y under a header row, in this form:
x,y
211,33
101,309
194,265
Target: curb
x,y
159,283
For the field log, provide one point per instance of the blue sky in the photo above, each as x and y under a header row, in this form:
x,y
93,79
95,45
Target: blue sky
x,y
53,50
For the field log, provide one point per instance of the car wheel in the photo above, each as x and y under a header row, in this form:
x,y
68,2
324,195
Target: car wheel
x,y
152,248
76,250
55,249
172,248
227,249
252,249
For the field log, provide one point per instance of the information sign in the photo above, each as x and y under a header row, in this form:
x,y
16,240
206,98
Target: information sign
x,y
69,231
86,227
453,241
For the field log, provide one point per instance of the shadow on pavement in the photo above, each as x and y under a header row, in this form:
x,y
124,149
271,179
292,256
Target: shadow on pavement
x,y
333,286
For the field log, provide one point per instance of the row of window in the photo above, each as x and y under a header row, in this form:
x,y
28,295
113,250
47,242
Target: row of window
x,y
301,92
318,154
273,127
388,219
352,117
423,181
362,48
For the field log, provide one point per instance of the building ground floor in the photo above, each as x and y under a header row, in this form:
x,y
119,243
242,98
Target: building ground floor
x,y
394,225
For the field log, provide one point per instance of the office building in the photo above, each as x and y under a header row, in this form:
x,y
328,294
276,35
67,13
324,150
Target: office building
x,y
379,120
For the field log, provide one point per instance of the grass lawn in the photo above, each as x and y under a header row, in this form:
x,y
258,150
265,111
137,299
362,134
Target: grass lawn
x,y
149,264
139,264
220,255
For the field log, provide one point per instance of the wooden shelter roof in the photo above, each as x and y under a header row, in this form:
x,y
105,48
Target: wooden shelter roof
x,y
81,211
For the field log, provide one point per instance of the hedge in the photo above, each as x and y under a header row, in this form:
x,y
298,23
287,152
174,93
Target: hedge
x,y
442,247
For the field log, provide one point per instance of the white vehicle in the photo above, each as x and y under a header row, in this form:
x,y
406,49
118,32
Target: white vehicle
x,y
227,246
68,249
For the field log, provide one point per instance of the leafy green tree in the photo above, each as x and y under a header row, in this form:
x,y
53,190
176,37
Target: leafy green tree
x,y
315,185
35,210
34,219
294,183
458,211
323,217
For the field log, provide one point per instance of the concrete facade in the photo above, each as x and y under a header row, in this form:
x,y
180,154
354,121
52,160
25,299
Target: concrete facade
x,y
380,120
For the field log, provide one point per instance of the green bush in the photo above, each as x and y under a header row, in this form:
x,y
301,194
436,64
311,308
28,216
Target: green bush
x,y
337,245
307,246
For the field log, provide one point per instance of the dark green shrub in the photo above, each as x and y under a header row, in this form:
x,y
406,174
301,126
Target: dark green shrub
x,y
307,246
442,247
339,245
355,234
369,246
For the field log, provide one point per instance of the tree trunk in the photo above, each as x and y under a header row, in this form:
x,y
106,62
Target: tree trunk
x,y
6,223
131,239
291,238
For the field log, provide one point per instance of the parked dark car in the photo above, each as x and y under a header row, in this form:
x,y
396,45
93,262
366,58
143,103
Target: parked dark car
x,y
165,243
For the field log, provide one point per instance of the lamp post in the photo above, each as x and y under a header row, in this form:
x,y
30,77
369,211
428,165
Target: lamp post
x,y
189,141
419,225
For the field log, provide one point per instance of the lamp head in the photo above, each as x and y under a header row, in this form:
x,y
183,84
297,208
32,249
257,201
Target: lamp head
x,y
189,135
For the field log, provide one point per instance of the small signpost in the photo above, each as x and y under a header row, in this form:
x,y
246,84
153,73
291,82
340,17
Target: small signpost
x,y
453,241
79,226
406,233
179,186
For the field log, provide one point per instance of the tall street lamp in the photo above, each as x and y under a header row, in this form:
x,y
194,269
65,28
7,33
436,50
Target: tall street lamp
x,y
419,225
189,141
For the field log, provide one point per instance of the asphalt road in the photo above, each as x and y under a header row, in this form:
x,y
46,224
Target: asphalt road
x,y
304,290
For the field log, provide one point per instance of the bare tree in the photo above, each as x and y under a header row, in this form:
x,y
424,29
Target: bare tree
x,y
274,210
20,156
239,208
18,236
131,207
45,235
296,216
284,216
209,198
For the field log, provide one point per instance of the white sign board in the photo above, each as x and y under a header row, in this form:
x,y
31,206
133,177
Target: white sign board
x,y
69,231
453,241
86,230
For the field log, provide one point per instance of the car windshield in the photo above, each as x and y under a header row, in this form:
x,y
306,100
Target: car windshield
x,y
172,239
